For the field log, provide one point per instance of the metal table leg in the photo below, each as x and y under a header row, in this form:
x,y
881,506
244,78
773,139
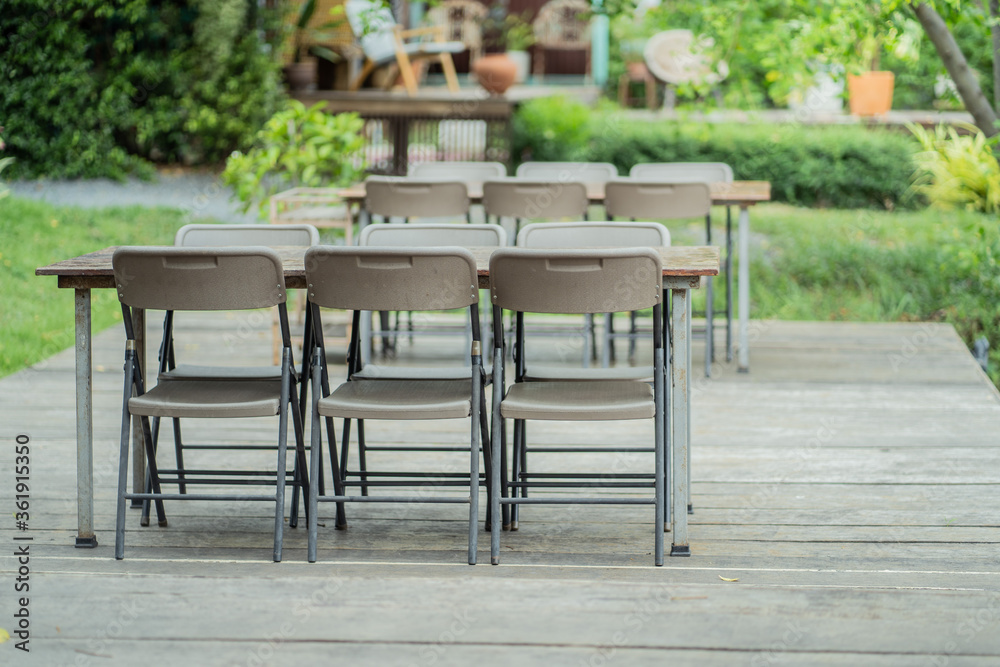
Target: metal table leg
x,y
139,452
680,396
743,362
85,537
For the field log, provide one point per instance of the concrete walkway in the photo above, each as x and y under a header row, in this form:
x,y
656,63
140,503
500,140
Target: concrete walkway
x,y
199,193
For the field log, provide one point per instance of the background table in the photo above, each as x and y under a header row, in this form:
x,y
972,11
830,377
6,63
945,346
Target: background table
x,y
683,268
743,194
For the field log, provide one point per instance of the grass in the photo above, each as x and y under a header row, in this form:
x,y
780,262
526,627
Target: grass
x,y
874,266
37,317
809,264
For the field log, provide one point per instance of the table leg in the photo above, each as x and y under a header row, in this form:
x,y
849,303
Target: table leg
x,y
743,362
680,393
729,285
138,451
85,537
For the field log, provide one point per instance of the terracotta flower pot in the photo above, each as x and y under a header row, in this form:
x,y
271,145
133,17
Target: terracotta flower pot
x,y
495,72
870,93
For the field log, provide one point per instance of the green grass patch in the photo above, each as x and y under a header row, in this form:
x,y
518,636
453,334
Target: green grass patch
x,y
38,317
872,266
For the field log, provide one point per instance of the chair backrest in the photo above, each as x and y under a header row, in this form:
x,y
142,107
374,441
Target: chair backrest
x,y
606,280
379,278
656,200
372,24
683,172
563,24
463,21
583,172
593,235
422,235
415,198
458,171
532,199
172,278
198,235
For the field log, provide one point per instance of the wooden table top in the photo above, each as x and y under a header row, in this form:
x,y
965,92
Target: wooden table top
x,y
736,193
93,271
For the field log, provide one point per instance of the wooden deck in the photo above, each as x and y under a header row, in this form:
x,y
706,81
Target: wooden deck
x,y
846,513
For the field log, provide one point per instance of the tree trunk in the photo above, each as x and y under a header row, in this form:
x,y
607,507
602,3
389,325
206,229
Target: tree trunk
x,y
958,68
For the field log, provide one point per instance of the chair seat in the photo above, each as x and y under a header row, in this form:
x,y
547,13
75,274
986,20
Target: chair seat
x,y
578,401
423,49
377,372
399,399
209,398
194,372
570,374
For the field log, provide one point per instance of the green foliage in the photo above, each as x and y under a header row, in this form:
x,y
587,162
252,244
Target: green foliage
x,y
879,266
553,129
95,88
957,171
38,317
298,147
842,167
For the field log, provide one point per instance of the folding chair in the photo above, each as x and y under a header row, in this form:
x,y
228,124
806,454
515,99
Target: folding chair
x,y
425,235
385,43
596,235
205,279
380,278
700,172
214,235
580,172
526,199
458,171
579,281
408,198
659,200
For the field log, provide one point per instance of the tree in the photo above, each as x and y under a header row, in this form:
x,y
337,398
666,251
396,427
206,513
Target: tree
x,y
955,63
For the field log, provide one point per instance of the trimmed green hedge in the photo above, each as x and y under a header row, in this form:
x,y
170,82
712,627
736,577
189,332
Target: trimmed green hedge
x,y
839,167
819,166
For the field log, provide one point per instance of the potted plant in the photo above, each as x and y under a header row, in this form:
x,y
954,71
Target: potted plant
x,y
301,72
298,147
517,36
865,29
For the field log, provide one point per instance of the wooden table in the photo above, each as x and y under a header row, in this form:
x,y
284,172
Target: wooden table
x,y
743,194
683,268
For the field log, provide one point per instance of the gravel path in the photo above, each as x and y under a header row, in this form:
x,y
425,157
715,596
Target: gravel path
x,y
201,195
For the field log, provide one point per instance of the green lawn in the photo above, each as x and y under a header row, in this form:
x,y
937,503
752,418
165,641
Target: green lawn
x,y
37,317
873,266
809,264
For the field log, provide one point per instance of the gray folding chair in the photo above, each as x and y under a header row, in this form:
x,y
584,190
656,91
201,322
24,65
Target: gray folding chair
x,y
523,199
407,198
597,235
204,279
216,235
578,281
581,172
632,198
458,171
700,172
381,278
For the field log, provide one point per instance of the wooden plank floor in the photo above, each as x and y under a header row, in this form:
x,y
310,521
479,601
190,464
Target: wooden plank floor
x,y
848,484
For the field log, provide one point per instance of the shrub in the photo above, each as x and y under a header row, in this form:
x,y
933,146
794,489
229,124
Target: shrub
x,y
842,167
551,129
298,147
957,171
95,88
